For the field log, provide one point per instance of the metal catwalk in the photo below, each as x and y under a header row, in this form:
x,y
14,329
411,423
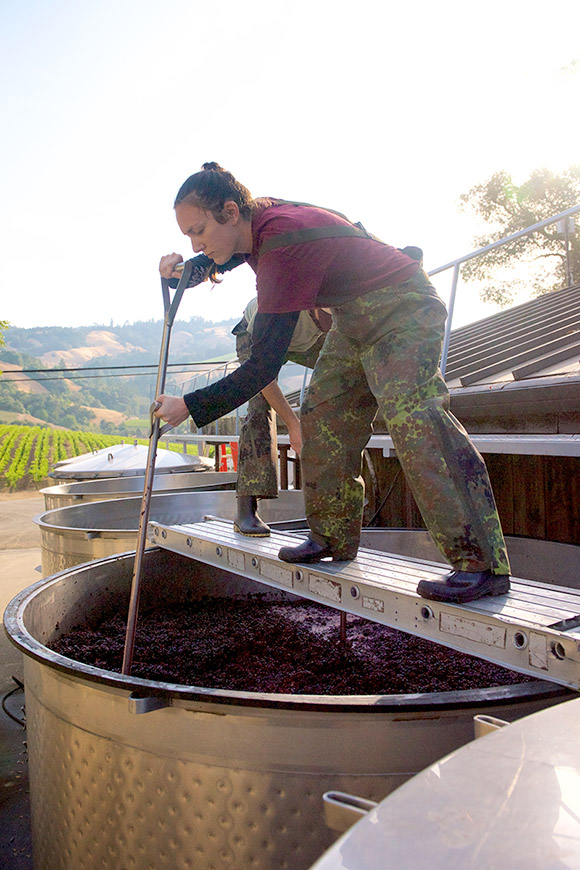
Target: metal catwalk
x,y
535,629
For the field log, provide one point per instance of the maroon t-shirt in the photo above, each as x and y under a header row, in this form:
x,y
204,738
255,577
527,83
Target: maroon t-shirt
x,y
319,273
298,277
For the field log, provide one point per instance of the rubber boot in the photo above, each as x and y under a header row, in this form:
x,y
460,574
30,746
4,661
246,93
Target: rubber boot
x,y
309,551
462,586
247,521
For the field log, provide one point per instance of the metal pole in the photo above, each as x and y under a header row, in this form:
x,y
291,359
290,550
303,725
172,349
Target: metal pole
x,y
447,336
457,264
342,629
527,231
156,431
303,387
569,279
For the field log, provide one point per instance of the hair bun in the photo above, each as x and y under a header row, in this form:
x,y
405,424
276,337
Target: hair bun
x,y
215,166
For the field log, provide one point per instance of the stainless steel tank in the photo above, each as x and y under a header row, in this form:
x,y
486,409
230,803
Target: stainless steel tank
x,y
83,532
510,799
128,772
79,491
124,460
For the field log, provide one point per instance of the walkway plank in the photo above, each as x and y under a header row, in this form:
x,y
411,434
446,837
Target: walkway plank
x,y
535,629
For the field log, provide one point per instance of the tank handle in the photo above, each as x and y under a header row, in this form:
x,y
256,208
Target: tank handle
x,y
341,810
484,724
148,703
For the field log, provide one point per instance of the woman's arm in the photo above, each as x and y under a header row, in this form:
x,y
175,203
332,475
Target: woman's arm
x,y
270,340
276,398
203,267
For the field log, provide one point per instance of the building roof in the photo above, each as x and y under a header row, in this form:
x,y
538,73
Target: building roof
x,y
536,339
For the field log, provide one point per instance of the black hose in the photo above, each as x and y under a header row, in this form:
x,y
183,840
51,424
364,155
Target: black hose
x,y
384,501
19,688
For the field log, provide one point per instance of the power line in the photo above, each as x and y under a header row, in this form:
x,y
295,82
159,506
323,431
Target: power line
x,y
87,377
130,374
8,380
92,377
208,362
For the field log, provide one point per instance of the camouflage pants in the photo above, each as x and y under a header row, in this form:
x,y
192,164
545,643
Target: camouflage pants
x,y
258,447
383,353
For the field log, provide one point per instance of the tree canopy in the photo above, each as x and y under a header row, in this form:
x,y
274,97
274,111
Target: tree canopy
x,y
543,261
4,324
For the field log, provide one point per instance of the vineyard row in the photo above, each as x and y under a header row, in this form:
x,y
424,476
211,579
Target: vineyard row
x,y
28,453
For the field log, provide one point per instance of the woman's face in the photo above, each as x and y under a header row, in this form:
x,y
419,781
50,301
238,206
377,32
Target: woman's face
x,y
217,241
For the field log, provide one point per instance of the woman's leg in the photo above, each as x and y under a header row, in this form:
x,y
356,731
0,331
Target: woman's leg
x,y
336,419
257,453
258,448
446,473
394,338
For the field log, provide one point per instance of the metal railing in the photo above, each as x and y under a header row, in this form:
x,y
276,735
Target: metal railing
x,y
212,375
456,266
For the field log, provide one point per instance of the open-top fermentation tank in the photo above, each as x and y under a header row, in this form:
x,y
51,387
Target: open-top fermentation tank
x,y
79,533
75,492
128,772
90,529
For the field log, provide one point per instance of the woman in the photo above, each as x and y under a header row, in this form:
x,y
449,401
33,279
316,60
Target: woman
x,y
382,352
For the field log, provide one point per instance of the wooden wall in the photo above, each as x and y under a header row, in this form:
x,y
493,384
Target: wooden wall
x,y
537,496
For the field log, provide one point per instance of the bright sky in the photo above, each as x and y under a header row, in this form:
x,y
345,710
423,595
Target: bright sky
x,y
385,111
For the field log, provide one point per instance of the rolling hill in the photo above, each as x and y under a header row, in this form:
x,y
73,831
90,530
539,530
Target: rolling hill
x,y
104,399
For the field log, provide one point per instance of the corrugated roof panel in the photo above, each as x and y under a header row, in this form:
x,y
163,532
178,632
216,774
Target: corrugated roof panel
x,y
519,342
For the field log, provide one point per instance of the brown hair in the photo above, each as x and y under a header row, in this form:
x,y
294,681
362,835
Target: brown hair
x,y
211,188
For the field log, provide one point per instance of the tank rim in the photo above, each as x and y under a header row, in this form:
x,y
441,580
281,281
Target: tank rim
x,y
411,702
52,490
103,505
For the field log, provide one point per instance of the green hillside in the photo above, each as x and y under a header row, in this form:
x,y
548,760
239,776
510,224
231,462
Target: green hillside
x,y
99,398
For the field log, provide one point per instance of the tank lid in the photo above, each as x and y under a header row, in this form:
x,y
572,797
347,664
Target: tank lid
x,y
460,807
122,460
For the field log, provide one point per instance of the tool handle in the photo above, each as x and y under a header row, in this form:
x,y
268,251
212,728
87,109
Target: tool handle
x,y
170,306
154,421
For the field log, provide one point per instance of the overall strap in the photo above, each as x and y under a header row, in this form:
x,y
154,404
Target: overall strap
x,y
311,234
322,318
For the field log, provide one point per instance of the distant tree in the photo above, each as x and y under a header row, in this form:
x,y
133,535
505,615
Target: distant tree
x,y
508,208
10,398
69,421
107,427
4,324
